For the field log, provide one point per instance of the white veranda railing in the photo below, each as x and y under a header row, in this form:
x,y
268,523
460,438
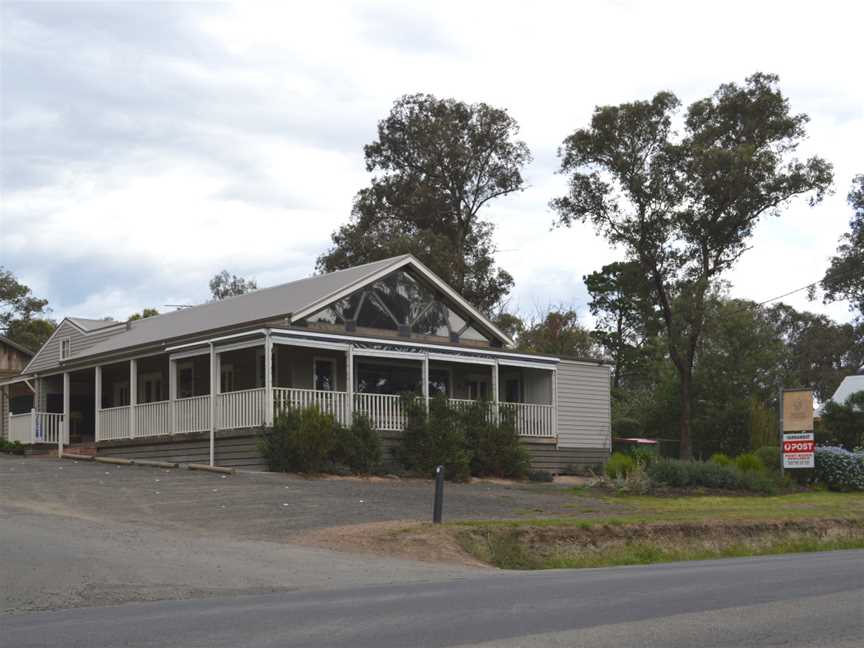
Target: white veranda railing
x,y
329,402
241,409
247,408
153,419
192,414
113,423
36,427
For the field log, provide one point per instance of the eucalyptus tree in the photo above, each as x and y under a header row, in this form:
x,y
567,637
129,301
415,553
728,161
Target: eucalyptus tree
x,y
683,206
436,163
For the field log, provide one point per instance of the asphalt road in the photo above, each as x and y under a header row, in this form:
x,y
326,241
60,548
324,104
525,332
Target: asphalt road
x,y
800,600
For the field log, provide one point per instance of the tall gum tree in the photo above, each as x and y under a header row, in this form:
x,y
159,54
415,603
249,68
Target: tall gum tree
x,y
684,206
436,164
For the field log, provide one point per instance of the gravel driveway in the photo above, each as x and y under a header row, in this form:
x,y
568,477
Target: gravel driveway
x,y
77,533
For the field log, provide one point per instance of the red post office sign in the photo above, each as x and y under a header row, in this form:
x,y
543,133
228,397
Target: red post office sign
x,y
799,450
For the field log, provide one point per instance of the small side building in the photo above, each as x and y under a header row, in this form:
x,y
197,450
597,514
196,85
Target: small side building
x,y
14,396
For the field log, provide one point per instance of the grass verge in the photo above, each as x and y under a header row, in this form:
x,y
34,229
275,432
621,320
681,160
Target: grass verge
x,y
528,546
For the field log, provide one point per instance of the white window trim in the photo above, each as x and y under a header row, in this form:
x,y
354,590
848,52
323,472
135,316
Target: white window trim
x,y
332,363
65,340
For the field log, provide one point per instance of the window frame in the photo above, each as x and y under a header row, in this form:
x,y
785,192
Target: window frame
x,y
328,360
65,342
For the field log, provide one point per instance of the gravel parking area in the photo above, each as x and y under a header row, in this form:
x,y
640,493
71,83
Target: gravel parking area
x,y
260,506
77,533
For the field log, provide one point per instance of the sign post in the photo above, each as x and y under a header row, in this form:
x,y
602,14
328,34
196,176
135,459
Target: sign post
x,y
796,416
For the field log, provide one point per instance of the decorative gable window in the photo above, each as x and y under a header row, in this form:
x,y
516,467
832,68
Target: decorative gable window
x,y
399,303
65,348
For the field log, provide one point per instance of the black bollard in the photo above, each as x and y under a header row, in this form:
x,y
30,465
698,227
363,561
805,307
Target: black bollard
x,y
439,495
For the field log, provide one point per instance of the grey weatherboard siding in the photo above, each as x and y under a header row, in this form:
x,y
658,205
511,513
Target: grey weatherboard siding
x,y
584,405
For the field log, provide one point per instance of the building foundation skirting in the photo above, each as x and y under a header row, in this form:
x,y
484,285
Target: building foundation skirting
x,y
239,449
234,448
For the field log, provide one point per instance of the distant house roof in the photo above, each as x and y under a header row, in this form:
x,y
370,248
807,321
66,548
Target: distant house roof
x,y
849,386
296,300
18,347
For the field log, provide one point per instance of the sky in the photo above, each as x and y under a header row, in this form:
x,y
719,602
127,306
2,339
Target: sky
x,y
146,146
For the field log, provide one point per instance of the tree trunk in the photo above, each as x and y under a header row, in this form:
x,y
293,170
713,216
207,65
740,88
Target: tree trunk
x,y
686,448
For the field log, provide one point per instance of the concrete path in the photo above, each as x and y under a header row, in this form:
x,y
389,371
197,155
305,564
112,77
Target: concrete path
x,y
803,600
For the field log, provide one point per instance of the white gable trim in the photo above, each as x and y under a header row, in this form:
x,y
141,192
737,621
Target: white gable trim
x,y
430,276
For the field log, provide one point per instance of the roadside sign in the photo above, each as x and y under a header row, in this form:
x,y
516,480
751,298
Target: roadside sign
x,y
797,410
798,450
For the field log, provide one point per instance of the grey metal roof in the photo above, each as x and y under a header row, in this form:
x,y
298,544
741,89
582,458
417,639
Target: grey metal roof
x,y
16,346
263,304
88,324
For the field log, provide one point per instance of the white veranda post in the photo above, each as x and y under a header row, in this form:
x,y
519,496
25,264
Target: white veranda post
x,y
97,399
65,431
425,379
268,379
172,392
214,385
133,395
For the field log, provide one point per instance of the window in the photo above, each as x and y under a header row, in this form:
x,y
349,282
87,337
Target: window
x,y
373,378
65,348
512,391
150,388
186,379
439,382
324,374
260,369
121,394
226,376
478,389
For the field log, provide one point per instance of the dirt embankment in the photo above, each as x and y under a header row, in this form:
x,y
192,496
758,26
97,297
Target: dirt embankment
x,y
526,546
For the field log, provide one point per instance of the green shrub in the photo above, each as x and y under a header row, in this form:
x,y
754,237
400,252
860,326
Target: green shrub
x,y
749,462
697,474
757,481
300,440
357,446
540,476
770,457
494,444
12,447
434,438
838,469
619,465
720,458
644,455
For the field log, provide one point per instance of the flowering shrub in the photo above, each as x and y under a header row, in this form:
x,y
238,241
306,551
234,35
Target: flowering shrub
x,y
840,469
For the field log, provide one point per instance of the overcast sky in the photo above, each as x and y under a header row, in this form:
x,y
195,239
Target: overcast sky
x,y
147,146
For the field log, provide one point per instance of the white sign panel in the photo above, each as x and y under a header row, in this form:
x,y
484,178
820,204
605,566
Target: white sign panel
x,y
799,450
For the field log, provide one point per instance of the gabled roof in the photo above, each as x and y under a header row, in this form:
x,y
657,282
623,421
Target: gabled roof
x,y
88,325
294,300
16,346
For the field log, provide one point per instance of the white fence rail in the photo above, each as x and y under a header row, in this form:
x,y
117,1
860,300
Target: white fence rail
x,y
241,409
48,427
36,427
329,402
384,410
21,428
153,419
192,414
113,423
533,419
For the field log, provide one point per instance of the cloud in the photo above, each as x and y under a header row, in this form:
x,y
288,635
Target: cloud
x,y
145,147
